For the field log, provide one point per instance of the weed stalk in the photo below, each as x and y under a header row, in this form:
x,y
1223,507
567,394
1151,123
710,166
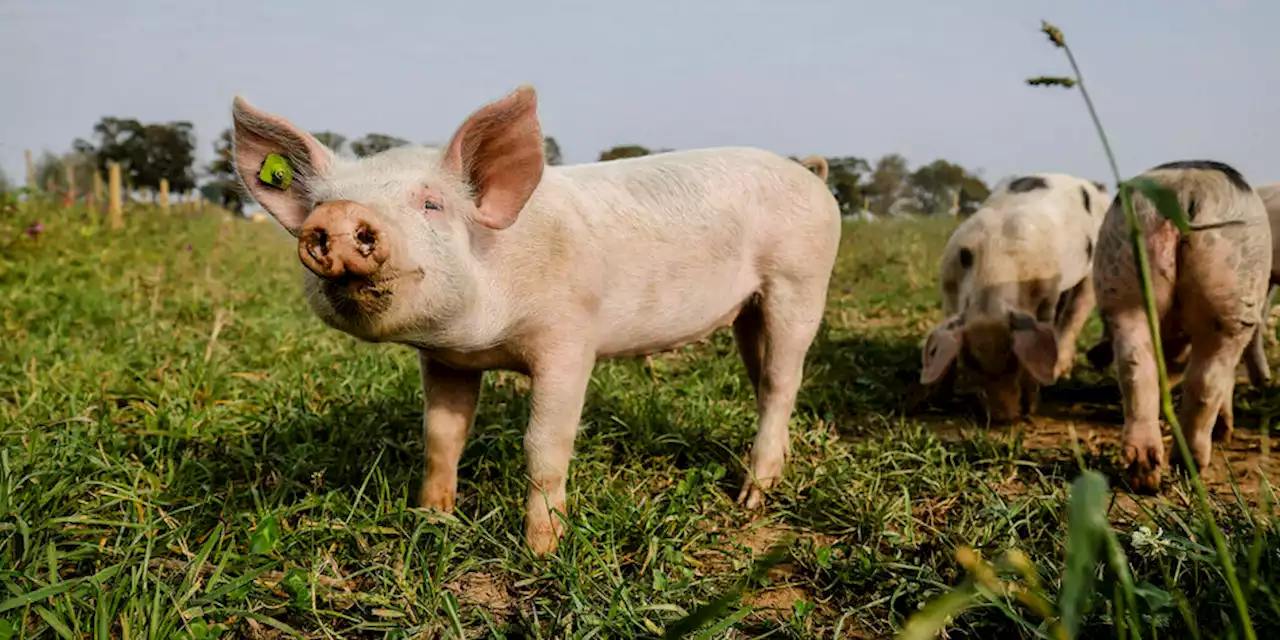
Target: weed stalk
x,y
1153,322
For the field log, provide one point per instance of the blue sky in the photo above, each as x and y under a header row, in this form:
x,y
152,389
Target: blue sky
x,y
834,77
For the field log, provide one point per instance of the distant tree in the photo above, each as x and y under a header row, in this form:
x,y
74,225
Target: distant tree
x,y
551,149
624,151
117,140
375,143
146,153
888,181
973,191
845,176
223,165
225,188
330,139
49,171
6,187
941,186
171,150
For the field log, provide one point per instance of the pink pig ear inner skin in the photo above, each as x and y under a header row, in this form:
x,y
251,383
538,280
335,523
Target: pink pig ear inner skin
x,y
258,134
1036,346
940,353
498,151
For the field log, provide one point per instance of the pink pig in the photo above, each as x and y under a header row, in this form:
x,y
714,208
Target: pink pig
x,y
1210,287
482,257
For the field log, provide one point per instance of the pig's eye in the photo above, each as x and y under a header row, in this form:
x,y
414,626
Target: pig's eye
x,y
428,205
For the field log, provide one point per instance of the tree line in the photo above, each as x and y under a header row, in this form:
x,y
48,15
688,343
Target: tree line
x,y
150,152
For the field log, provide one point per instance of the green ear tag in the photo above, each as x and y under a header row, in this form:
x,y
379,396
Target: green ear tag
x,y
276,172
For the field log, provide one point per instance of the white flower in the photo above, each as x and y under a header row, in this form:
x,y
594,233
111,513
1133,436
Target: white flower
x,y
1147,544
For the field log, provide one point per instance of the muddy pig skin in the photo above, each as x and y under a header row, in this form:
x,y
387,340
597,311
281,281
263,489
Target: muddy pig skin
x,y
1016,291
482,257
1210,286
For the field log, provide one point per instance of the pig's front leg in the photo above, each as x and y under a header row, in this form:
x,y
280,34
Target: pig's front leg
x,y
450,396
559,385
1071,323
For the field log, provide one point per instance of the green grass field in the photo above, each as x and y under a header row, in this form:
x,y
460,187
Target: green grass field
x,y
186,452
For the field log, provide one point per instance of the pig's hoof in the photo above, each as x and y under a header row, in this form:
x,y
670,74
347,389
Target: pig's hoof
x,y
542,539
752,495
1065,365
1144,463
432,497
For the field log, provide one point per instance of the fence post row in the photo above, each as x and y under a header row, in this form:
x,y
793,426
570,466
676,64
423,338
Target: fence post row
x,y
31,173
113,187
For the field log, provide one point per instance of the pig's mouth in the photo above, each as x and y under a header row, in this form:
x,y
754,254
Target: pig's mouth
x,y
357,296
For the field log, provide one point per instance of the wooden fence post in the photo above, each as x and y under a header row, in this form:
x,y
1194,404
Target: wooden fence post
x,y
70,199
31,172
113,187
97,190
164,195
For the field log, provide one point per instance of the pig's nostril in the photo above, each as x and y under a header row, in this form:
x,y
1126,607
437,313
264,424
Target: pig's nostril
x,y
318,244
366,240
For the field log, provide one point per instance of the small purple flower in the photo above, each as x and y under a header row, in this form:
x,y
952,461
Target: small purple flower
x,y
35,229
188,246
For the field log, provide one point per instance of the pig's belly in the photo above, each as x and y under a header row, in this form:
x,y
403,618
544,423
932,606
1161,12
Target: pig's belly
x,y
638,323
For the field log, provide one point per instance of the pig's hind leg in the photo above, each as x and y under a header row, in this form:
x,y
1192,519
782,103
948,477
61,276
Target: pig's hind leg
x,y
1221,296
1207,389
748,332
789,314
1256,356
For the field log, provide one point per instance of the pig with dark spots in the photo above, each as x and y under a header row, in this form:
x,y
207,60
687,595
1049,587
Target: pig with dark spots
x,y
482,257
1210,286
1016,291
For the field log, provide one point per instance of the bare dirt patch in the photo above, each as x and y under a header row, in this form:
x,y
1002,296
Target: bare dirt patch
x,y
482,590
1096,427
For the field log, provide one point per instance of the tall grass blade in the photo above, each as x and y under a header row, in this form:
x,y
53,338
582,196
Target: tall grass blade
x,y
1086,532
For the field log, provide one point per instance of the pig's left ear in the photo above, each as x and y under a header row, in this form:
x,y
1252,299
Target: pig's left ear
x,y
280,184
1036,346
498,152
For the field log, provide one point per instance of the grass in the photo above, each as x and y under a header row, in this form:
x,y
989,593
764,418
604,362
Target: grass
x,y
186,452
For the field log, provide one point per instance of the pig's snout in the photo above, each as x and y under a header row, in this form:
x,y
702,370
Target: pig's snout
x,y
341,238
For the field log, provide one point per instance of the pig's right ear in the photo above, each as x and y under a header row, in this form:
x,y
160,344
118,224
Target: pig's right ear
x,y
940,351
1036,346
258,135
498,152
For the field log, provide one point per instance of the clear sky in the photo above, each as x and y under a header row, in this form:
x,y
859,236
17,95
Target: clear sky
x,y
1173,79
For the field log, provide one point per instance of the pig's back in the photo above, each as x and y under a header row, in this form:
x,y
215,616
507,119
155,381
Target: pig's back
x,y
677,242
1061,220
1026,239
714,200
